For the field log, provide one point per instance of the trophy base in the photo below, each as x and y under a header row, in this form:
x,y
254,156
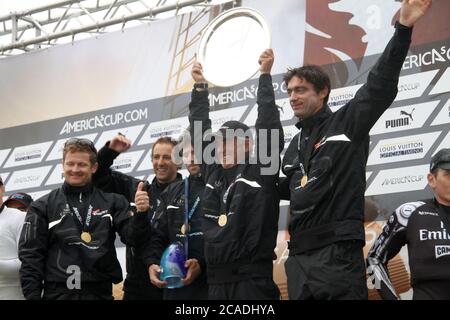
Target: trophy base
x,y
173,282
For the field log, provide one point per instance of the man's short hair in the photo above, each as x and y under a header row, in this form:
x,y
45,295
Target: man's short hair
x,y
81,145
164,140
313,74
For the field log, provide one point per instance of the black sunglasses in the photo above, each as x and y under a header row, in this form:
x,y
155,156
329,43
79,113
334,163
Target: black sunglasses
x,y
81,142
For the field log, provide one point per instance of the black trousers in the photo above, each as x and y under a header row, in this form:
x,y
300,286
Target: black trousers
x,y
250,289
337,271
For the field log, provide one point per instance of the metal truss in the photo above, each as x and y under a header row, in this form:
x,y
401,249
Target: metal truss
x,y
62,21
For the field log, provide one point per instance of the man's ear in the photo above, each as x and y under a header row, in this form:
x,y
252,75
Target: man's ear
x,y
323,93
94,168
431,180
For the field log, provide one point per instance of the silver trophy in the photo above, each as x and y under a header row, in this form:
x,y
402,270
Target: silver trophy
x,y
231,45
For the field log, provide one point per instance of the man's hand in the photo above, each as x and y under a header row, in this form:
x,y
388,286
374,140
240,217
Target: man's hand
x,y
120,143
197,73
193,271
412,10
141,198
266,61
154,272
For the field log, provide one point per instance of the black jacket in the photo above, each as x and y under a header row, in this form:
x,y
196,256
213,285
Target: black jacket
x,y
418,225
330,207
169,219
113,181
244,246
50,241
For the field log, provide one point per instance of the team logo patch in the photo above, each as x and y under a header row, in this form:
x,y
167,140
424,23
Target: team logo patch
x,y
442,250
406,210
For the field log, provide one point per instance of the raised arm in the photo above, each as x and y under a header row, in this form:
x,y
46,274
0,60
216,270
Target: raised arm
x,y
199,121
380,90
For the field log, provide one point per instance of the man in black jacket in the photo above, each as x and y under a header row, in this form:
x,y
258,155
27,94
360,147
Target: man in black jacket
x,y
67,242
137,284
423,226
325,169
170,227
240,205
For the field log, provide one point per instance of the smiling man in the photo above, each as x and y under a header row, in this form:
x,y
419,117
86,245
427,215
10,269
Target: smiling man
x,y
325,169
67,242
422,226
137,283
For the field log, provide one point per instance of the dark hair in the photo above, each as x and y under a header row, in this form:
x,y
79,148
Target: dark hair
x,y
164,140
81,145
313,74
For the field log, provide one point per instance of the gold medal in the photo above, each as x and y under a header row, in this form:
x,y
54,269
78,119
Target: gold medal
x,y
86,237
183,229
222,220
304,181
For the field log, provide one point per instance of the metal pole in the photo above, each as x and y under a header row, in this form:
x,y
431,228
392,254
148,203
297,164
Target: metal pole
x,y
136,16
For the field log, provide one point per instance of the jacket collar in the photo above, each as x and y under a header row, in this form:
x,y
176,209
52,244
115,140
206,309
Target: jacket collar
x,y
162,186
69,189
316,118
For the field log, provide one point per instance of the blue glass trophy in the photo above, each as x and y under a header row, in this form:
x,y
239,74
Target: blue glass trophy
x,y
172,265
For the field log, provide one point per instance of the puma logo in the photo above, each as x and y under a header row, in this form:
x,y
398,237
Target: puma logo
x,y
404,113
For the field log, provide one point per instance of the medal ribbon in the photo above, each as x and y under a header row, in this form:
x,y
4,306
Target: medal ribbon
x,y
188,214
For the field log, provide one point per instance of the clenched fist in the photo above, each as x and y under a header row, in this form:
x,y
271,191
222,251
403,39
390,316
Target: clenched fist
x,y
266,61
197,73
120,143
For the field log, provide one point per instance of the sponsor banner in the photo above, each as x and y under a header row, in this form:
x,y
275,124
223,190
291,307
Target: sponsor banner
x,y
4,176
444,115
56,177
444,144
404,118
286,112
103,121
402,149
289,134
443,84
151,177
340,96
39,194
432,56
24,155
57,152
27,179
413,85
233,96
126,162
172,127
221,116
399,180
147,162
130,132
3,154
